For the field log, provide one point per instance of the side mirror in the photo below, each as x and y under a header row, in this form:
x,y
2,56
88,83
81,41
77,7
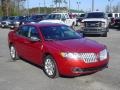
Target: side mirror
x,y
34,39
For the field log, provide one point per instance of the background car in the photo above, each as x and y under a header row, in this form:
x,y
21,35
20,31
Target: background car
x,y
95,23
3,18
18,20
79,19
61,18
116,23
6,22
58,49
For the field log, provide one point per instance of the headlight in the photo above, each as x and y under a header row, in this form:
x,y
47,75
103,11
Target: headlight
x,y
82,24
103,54
7,23
103,24
70,55
17,22
32,22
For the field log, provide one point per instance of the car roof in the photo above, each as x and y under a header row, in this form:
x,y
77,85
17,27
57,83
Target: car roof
x,y
59,13
96,12
42,24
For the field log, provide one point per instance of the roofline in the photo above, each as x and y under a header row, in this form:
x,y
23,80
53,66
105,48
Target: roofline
x,y
45,24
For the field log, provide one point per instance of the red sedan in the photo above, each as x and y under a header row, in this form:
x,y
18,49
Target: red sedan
x,y
58,49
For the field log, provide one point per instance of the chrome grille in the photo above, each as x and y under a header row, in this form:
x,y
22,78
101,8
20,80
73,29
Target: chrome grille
x,y
88,57
92,24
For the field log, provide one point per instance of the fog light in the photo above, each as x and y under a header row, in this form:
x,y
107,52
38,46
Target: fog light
x,y
77,70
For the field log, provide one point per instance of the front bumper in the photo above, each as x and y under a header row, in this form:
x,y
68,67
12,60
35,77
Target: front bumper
x,y
117,25
98,30
4,25
12,25
78,67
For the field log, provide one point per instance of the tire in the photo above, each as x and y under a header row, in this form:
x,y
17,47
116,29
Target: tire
x,y
13,53
50,67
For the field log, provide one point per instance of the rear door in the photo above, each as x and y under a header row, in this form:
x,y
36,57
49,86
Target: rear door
x,y
21,40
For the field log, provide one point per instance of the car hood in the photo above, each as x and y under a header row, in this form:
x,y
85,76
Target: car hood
x,y
53,21
16,20
77,45
94,19
6,21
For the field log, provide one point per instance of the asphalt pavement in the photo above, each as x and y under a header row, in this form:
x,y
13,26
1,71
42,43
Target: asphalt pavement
x,y
21,75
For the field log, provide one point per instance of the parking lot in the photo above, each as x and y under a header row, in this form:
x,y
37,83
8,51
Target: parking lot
x,y
21,75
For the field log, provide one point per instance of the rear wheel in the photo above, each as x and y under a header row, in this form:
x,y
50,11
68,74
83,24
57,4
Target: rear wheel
x,y
50,67
13,53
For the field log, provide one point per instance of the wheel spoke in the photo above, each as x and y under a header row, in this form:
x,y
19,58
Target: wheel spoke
x,y
12,52
49,67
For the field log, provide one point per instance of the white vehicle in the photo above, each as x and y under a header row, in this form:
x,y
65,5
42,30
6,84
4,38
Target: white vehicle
x,y
113,15
62,18
95,23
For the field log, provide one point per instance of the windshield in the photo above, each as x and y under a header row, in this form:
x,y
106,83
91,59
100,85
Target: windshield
x,y
19,18
11,18
95,15
110,15
31,19
4,18
59,33
82,15
53,16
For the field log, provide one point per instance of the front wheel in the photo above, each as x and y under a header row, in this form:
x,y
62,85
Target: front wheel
x,y
50,67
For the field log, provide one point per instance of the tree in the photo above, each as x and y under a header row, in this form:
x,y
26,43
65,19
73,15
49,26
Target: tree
x,y
107,9
4,7
58,2
116,8
11,7
65,2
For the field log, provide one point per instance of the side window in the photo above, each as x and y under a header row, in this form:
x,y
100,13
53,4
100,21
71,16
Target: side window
x,y
23,31
63,16
66,15
116,15
33,32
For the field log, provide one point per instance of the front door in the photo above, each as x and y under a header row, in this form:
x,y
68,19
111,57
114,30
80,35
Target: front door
x,y
34,48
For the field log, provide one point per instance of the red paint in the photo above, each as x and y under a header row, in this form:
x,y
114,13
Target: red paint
x,y
34,52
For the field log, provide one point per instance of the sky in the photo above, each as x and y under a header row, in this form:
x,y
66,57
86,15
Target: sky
x,y
84,4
